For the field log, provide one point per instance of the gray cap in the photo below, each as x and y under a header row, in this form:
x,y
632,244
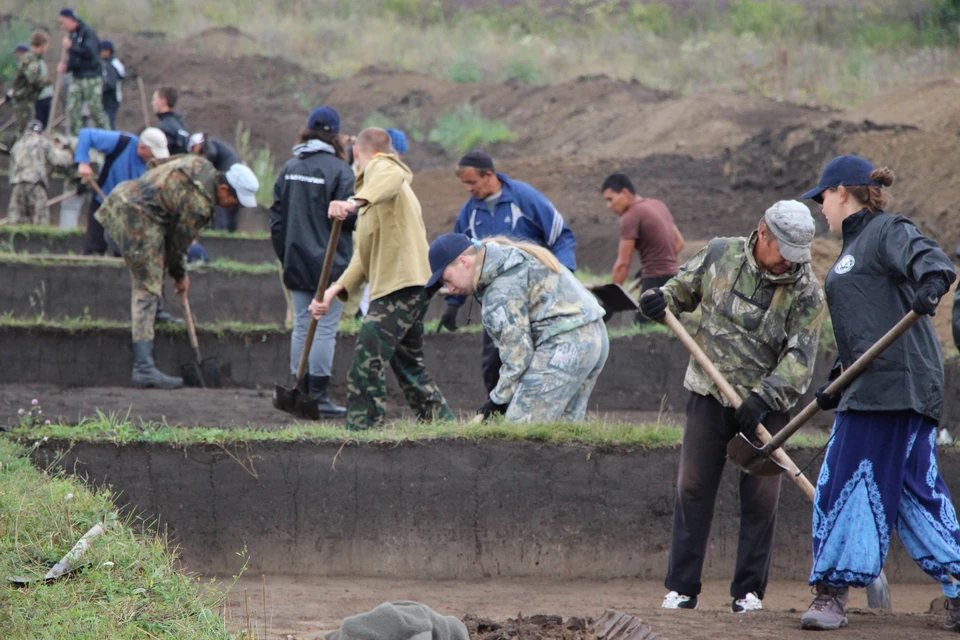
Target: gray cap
x,y
245,183
791,223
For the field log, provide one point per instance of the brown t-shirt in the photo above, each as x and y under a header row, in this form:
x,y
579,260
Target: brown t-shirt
x,y
650,224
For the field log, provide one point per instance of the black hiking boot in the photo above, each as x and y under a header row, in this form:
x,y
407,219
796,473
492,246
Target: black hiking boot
x,y
145,373
317,389
952,623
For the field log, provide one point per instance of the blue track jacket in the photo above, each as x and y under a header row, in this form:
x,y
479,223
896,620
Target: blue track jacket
x,y
126,166
522,213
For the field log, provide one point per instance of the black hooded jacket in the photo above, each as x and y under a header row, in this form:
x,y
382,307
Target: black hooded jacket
x,y
221,154
84,59
299,226
174,126
870,288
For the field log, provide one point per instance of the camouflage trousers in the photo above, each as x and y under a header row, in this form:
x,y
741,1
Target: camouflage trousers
x,y
23,113
141,245
558,383
28,204
89,91
392,332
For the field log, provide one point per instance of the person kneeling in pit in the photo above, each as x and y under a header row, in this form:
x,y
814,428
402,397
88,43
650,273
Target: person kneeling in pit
x,y
548,328
761,310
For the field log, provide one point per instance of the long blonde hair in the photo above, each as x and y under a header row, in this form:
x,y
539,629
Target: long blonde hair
x,y
540,253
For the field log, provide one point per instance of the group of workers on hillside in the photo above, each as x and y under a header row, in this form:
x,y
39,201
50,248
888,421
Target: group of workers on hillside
x,y
544,339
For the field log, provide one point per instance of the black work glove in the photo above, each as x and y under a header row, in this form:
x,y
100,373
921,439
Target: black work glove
x,y
827,401
448,320
491,408
927,298
750,413
653,304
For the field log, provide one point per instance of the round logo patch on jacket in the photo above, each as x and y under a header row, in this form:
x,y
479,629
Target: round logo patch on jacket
x,y
844,264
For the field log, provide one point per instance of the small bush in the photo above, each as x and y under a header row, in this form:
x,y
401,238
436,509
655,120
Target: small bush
x,y
260,161
654,17
522,68
464,128
465,69
377,119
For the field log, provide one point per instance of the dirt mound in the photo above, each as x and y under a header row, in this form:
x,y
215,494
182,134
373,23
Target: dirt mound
x,y
536,627
933,106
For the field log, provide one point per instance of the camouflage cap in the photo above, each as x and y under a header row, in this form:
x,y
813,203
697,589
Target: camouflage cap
x,y
791,223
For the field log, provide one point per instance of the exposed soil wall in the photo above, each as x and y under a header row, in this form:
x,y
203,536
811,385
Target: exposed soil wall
x,y
102,291
441,509
239,249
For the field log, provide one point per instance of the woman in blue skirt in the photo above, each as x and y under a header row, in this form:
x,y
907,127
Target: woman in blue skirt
x,y
880,471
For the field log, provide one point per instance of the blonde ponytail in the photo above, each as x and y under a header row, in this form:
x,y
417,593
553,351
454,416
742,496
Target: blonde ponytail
x,y
540,253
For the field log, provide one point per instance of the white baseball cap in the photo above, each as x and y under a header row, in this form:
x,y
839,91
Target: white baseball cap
x,y
245,183
156,141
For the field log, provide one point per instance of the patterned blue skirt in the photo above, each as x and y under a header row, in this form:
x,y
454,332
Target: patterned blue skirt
x,y
881,471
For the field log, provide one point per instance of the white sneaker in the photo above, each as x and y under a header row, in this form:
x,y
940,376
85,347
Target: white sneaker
x,y
750,602
674,600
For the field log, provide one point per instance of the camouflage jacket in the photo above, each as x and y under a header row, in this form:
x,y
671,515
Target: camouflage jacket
x,y
30,79
32,158
760,330
178,196
524,304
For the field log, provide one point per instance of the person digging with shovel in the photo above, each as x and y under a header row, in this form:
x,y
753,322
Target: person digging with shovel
x,y
547,327
301,233
880,469
390,252
761,309
153,220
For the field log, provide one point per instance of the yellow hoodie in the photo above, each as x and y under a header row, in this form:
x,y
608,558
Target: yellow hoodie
x,y
390,241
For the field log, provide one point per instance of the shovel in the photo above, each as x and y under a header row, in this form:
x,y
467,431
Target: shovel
x,y
614,297
761,461
294,400
198,373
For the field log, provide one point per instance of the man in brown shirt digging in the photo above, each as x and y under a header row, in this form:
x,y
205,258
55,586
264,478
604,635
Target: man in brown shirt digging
x,y
647,227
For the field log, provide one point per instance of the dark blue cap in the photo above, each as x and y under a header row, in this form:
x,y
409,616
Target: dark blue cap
x,y
106,44
69,13
21,46
398,140
324,119
445,250
849,171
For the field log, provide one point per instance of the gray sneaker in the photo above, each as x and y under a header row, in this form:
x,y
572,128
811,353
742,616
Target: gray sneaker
x,y
828,610
952,623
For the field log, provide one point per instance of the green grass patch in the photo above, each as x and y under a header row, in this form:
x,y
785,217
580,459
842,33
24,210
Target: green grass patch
x,y
118,430
39,231
464,128
87,324
224,265
130,588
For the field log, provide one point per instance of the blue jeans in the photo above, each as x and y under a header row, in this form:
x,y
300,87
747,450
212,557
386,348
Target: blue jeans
x,y
112,115
320,361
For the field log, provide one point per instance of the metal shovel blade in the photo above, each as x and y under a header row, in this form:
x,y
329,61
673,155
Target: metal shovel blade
x,y
211,373
192,377
751,458
295,402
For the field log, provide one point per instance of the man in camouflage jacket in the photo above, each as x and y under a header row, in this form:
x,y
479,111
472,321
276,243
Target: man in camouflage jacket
x,y
31,160
761,309
153,220
29,81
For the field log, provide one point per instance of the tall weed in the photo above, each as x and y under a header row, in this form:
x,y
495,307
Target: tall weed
x,y
464,128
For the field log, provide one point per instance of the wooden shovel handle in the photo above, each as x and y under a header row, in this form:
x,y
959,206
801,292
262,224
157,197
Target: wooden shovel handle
x,y
191,327
843,380
321,287
734,399
56,94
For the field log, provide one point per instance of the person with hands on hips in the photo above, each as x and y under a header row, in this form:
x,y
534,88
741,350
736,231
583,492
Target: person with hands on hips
x,y
390,253
880,469
547,327
761,308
